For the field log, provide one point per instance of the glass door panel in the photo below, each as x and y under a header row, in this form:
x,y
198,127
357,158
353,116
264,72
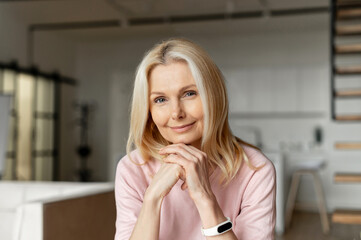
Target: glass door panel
x,y
8,82
7,87
9,169
11,137
44,134
45,96
44,129
25,94
44,168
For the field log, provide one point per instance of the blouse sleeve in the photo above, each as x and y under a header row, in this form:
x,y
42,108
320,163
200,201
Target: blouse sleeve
x,y
128,201
257,216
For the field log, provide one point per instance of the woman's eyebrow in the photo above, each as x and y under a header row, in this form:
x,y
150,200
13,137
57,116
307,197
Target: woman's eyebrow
x,y
181,90
188,86
156,93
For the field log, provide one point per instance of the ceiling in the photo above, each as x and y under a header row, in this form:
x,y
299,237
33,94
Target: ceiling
x,y
54,11
63,12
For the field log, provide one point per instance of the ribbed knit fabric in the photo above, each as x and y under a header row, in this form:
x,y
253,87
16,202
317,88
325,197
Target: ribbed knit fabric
x,y
248,200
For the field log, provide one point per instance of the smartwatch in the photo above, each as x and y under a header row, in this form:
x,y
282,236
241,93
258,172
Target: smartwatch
x,y
219,229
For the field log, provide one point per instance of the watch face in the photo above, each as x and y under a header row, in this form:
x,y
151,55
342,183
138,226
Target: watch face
x,y
224,227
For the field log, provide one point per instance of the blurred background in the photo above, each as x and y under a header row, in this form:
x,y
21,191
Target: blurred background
x,y
292,70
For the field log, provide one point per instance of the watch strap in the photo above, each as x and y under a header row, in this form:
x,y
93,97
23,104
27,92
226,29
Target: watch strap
x,y
219,229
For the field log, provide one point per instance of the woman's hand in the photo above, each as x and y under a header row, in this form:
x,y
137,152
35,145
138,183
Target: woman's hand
x,y
148,222
163,181
195,164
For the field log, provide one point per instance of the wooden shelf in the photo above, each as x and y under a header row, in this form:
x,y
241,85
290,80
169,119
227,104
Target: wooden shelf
x,y
348,93
347,178
348,30
348,118
348,146
348,70
347,49
347,216
349,13
348,3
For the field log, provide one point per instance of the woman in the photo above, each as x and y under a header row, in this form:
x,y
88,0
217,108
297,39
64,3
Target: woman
x,y
189,177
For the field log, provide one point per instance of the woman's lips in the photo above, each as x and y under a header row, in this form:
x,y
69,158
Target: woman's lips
x,y
183,128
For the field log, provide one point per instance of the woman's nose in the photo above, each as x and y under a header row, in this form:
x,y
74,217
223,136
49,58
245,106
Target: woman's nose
x,y
177,111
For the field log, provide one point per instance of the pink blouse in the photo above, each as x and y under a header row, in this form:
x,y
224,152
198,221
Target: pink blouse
x,y
248,200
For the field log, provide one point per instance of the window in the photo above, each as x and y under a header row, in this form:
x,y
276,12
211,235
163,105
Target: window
x,y
32,145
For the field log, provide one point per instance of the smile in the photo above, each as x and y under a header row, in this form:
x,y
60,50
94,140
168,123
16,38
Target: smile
x,y
183,128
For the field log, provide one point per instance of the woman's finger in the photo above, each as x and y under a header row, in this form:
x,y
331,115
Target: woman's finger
x,y
164,180
177,159
189,148
180,149
174,159
196,152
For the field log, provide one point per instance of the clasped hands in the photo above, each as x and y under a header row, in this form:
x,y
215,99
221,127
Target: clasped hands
x,y
182,162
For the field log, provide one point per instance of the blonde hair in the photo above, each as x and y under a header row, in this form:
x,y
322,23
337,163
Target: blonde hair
x,y
222,148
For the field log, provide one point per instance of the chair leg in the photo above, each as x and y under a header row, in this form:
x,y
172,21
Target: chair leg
x,y
321,202
292,198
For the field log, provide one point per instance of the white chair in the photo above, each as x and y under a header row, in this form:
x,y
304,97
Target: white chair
x,y
308,168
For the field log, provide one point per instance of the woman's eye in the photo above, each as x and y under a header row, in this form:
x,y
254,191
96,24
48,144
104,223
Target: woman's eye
x,y
190,93
159,100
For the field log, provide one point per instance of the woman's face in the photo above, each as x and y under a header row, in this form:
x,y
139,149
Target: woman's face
x,y
175,104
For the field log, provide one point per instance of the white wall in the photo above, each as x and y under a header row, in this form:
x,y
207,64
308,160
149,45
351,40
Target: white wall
x,y
13,38
271,65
